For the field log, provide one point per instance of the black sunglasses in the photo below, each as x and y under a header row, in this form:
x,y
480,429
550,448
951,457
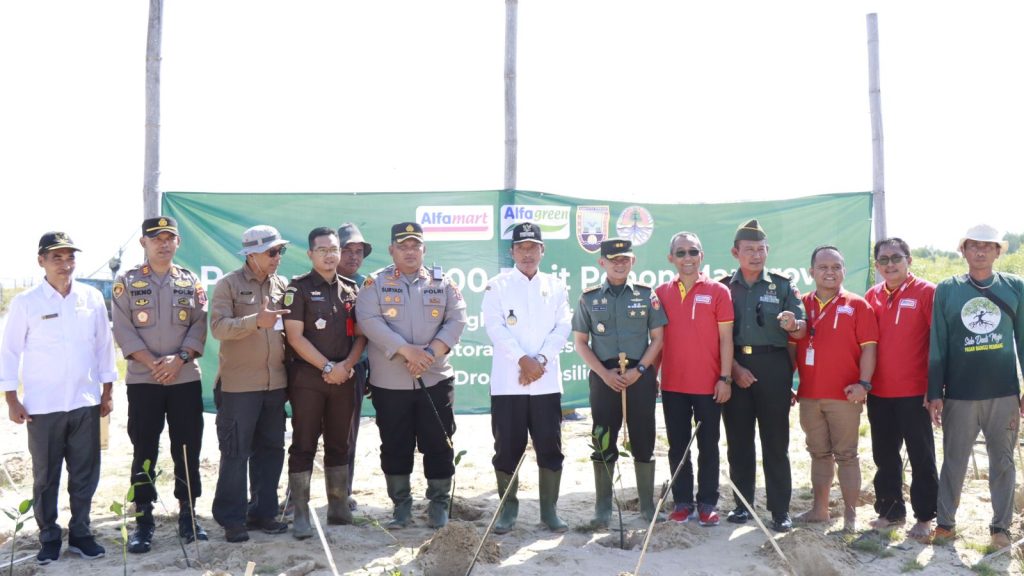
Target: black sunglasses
x,y
691,252
895,259
760,315
273,252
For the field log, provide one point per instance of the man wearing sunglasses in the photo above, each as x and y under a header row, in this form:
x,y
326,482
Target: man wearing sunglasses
x,y
977,324
767,312
695,374
619,324
324,345
246,316
897,409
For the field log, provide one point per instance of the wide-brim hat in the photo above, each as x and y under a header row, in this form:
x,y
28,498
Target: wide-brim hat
x,y
348,233
55,241
259,239
984,233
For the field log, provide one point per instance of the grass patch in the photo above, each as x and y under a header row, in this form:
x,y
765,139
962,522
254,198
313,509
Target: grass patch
x,y
984,569
868,543
863,430
984,549
889,535
911,566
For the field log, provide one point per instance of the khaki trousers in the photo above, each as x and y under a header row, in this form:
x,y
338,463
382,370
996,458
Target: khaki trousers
x,y
831,428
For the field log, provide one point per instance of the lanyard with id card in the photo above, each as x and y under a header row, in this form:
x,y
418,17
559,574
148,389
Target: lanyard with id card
x,y
816,317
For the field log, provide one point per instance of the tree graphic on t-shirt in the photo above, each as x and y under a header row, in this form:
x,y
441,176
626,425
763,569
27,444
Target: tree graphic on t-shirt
x,y
980,315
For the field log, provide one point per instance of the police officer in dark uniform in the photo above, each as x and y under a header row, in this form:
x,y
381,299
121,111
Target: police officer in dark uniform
x,y
618,324
325,346
768,313
159,314
413,317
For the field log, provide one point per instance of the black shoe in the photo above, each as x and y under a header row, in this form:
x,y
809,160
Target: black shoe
x,y
185,530
142,539
738,516
267,525
49,552
782,522
235,534
86,547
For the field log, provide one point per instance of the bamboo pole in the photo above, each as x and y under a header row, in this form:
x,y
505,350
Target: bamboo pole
x,y
151,175
877,139
511,138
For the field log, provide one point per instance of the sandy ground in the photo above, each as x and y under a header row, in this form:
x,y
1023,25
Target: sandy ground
x,y
366,548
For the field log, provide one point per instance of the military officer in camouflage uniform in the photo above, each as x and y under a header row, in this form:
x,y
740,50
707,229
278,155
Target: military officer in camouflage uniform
x,y
767,313
413,316
620,317
159,312
325,347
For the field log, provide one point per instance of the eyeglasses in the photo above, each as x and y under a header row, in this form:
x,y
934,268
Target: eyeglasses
x,y
322,251
694,252
885,260
275,252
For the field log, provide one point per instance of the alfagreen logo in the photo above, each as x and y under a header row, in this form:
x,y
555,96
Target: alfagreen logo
x,y
552,219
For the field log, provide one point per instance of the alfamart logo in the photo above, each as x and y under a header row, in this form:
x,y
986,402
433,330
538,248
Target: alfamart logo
x,y
553,220
456,222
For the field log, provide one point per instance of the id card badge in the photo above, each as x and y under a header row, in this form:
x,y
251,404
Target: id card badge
x,y
279,324
809,359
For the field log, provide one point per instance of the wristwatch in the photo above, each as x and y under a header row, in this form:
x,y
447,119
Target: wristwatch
x,y
866,385
542,359
185,356
641,369
329,367
725,379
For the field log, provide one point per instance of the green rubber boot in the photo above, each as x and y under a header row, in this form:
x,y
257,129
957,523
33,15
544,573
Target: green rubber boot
x,y
439,492
399,492
645,488
338,511
510,511
603,494
550,482
298,483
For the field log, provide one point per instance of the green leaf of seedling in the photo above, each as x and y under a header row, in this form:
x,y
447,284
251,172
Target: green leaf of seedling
x,y
131,493
115,507
10,514
628,446
24,506
124,533
146,465
137,514
17,527
458,457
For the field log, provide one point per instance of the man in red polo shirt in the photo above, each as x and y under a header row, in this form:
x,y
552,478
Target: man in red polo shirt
x,y
897,409
836,359
695,368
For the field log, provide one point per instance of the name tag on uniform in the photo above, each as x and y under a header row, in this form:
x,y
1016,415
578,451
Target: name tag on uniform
x,y
50,316
908,303
809,359
848,310
702,299
770,298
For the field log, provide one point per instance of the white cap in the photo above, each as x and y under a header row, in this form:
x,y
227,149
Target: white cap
x,y
984,233
259,239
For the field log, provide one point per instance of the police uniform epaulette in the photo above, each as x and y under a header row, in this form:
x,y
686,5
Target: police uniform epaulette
x,y
726,279
591,289
301,276
639,285
779,277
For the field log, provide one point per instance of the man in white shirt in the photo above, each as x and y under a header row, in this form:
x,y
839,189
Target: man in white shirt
x,y
57,333
527,317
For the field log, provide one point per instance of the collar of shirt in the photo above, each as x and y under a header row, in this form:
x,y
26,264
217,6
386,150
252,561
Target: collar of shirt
x,y
606,286
701,279
737,278
821,304
320,280
905,284
50,292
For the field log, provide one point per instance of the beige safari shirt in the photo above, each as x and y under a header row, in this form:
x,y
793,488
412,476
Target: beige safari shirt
x,y
251,358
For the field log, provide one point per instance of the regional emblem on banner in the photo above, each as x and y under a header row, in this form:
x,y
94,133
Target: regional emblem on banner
x,y
635,223
592,226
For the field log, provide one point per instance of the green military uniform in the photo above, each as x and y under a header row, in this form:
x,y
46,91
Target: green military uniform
x,y
761,348
618,319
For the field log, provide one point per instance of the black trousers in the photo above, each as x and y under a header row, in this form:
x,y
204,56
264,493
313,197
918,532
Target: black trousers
x,y
680,409
358,393
182,407
893,422
606,409
53,439
406,421
250,430
318,408
766,403
512,416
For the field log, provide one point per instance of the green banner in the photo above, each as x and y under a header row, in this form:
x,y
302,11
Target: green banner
x,y
467,234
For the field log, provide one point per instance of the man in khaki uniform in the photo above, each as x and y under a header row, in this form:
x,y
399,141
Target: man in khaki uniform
x,y
159,312
245,316
412,318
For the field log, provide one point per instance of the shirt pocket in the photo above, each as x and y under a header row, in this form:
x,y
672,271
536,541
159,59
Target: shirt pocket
x,y
143,312
181,315
393,311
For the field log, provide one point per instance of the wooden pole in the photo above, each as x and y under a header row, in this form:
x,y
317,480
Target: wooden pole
x,y
151,177
511,139
877,140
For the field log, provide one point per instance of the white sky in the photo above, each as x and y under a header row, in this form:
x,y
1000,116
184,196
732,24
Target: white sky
x,y
665,101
